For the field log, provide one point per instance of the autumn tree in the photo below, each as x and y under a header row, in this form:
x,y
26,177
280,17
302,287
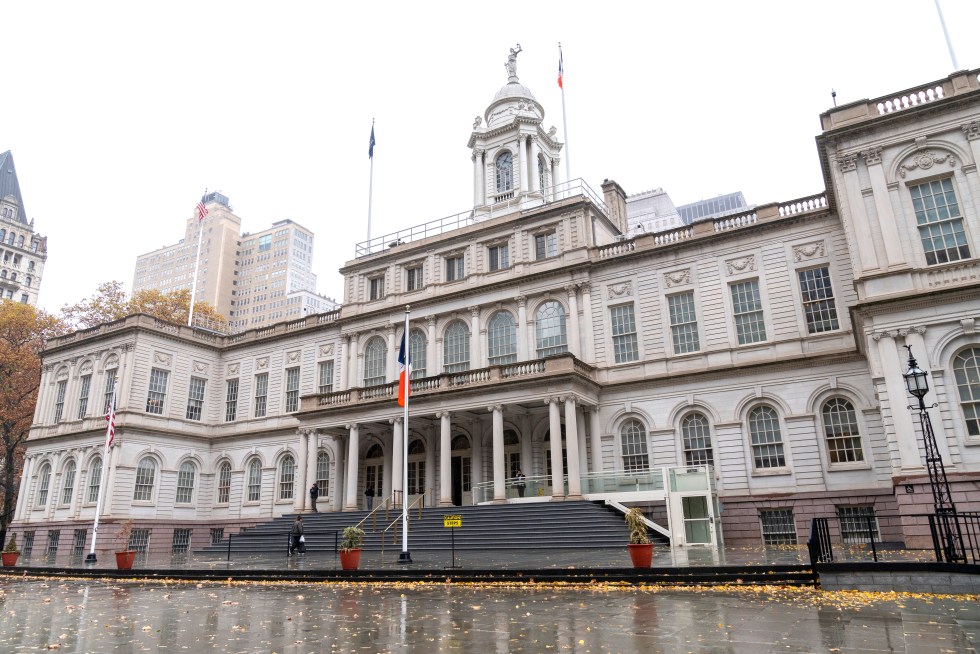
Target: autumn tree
x,y
24,330
110,302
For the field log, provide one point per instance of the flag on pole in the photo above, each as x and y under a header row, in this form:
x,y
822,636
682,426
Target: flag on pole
x,y
561,68
201,210
110,416
404,371
371,144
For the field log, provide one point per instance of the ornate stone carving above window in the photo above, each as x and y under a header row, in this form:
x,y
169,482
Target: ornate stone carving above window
x,y
262,364
677,277
159,358
232,368
292,357
200,367
326,350
925,161
624,289
809,251
740,264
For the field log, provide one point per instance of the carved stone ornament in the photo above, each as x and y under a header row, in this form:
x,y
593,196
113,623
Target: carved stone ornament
x,y
809,251
477,122
292,357
847,162
326,350
552,132
200,367
624,289
677,277
872,156
741,265
262,364
233,368
162,359
925,161
85,368
972,130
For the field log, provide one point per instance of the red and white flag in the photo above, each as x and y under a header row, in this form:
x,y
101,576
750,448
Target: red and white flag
x,y
110,416
404,372
201,210
561,68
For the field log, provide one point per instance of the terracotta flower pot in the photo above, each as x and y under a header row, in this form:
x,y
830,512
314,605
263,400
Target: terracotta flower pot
x,y
10,559
641,554
350,559
125,560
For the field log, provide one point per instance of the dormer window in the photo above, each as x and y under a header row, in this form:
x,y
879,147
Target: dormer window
x,y
505,172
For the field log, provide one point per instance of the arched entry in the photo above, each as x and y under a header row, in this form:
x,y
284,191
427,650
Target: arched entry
x,y
462,471
374,465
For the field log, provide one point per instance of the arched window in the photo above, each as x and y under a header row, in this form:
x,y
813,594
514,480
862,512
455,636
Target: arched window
x,y
185,483
255,481
10,238
456,347
323,471
20,241
549,329
374,361
502,338
416,467
841,429
27,281
68,482
146,471
94,479
505,172
3,235
634,442
416,350
966,368
43,482
767,438
697,440
287,472
375,452
224,483
459,442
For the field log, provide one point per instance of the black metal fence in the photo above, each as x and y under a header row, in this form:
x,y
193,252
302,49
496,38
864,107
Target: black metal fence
x,y
956,537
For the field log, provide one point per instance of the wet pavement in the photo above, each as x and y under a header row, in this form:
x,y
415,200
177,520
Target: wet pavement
x,y
113,616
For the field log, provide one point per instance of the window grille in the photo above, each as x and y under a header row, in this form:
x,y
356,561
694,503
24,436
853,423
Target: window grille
x,y
504,169
231,400
841,430
157,392
767,438
502,338
549,328
778,527
68,483
683,323
44,481
747,307
53,537
292,390
217,535
545,245
937,213
855,522
634,444
697,440
377,288
195,398
624,333
139,540
28,544
413,279
456,347
181,541
819,304
224,483
261,394
110,384
78,543
455,268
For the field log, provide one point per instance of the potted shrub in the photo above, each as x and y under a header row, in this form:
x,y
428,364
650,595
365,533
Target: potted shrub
x,y
10,552
350,548
640,547
125,557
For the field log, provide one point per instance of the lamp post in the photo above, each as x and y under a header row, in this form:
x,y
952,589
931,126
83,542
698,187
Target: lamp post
x,y
917,383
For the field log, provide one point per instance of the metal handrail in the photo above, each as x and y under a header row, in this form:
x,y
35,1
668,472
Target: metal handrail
x,y
420,500
389,502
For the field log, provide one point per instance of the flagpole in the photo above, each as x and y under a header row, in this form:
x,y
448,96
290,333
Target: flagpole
x,y
564,119
405,556
949,43
370,185
197,260
109,432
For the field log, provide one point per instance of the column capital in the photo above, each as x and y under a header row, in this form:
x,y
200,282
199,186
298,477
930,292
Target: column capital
x,y
569,399
971,130
474,311
350,426
430,321
522,137
847,162
872,155
443,414
890,333
495,407
390,327
521,300
395,421
572,288
552,400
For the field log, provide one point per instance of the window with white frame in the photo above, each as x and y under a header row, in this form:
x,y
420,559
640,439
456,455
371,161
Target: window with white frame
x,y
549,329
157,392
146,471
292,390
633,439
767,438
940,222
455,267
261,393
325,377
224,483
858,524
94,479
323,471
778,527
254,481
819,305
68,482
504,169
502,338
841,431
413,278
287,475
546,245
43,484
417,352
498,257
623,333
456,347
376,288
59,399
110,385
83,395
185,482
195,398
966,370
697,440
375,357
683,323
416,467
231,400
747,308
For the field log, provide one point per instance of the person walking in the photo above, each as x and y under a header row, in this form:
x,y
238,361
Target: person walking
x,y
314,493
296,537
520,485
369,497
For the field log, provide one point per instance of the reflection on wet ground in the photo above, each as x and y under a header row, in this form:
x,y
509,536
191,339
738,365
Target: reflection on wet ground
x,y
87,616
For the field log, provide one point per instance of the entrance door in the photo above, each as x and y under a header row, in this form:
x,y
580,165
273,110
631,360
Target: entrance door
x,y
698,522
372,480
457,481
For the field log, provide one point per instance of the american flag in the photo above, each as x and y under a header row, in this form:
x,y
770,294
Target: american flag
x,y
110,416
201,210
404,371
561,68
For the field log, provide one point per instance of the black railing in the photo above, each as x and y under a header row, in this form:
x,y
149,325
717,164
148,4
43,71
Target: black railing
x,y
819,545
960,533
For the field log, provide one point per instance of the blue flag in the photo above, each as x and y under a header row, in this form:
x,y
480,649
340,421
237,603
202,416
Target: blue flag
x,y
371,144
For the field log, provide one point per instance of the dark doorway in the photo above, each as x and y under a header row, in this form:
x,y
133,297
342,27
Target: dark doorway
x,y
457,481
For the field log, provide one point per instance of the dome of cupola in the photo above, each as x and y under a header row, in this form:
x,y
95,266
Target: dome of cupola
x,y
513,98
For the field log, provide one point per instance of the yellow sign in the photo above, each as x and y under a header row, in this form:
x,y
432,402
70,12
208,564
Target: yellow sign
x,y
452,520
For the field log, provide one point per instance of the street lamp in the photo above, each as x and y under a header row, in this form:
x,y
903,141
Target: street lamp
x,y
917,384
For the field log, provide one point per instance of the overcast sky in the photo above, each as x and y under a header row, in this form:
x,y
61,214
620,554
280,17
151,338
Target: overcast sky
x,y
120,115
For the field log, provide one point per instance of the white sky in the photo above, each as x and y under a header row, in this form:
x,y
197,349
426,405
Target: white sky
x,y
119,115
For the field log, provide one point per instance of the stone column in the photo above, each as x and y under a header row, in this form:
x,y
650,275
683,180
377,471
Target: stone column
x,y
343,359
557,473
353,445
397,458
867,258
431,349
391,374
583,450
302,467
533,165
387,473
527,451
445,459
353,379
476,469
555,168
339,466
476,358
430,469
588,353
595,434
914,337
499,465
313,452
574,341
476,178
522,159
571,444
892,368
124,374
883,207
972,132
521,329
25,483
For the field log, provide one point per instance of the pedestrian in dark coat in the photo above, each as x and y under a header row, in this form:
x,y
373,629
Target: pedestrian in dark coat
x,y
314,493
295,536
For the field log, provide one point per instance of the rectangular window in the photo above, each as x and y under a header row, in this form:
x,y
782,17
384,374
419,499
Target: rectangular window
x,y
261,391
217,535
185,484
377,288
231,400
683,323
292,390
28,544
83,396
624,333
747,307
499,257
416,477
139,539
68,484
413,278
224,484
545,245
181,541
95,481
858,524
110,385
53,537
157,392
455,268
325,382
778,527
59,401
195,398
937,214
818,300
78,547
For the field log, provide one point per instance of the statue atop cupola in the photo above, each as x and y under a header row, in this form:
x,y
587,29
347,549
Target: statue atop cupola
x,y
511,64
